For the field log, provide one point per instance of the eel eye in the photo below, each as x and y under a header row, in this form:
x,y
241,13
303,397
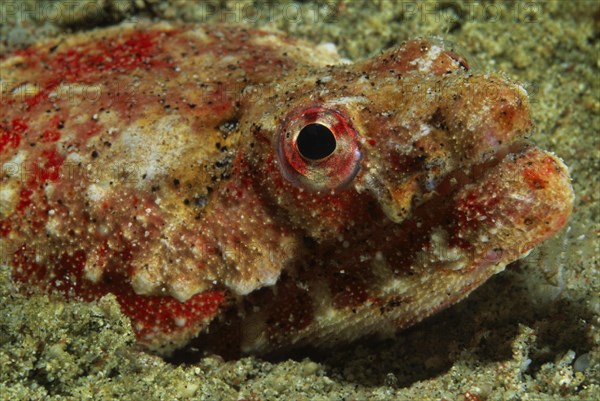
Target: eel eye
x,y
318,149
315,142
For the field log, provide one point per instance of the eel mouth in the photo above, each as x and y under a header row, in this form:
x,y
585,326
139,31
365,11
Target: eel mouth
x,y
484,215
399,199
471,174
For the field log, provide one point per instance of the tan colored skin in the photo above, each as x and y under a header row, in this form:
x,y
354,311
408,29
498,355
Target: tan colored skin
x,y
166,186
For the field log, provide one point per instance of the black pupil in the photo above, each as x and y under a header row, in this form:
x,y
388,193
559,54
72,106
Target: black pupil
x,y
315,141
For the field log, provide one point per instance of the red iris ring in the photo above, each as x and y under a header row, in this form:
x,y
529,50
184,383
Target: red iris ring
x,y
334,171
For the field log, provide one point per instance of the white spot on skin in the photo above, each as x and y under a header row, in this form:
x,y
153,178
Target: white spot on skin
x,y
522,90
53,226
345,100
424,63
474,122
15,162
151,155
25,90
424,130
328,47
92,270
96,193
521,197
10,186
74,158
450,257
228,59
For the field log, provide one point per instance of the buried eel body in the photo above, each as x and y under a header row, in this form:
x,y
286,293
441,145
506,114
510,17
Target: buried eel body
x,y
259,191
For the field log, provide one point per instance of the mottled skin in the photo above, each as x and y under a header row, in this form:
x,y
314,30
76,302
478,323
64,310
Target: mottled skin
x,y
160,163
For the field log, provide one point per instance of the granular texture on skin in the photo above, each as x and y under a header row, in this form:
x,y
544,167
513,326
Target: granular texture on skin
x,y
214,204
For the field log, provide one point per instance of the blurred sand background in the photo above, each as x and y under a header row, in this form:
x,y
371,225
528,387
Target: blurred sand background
x,y
532,332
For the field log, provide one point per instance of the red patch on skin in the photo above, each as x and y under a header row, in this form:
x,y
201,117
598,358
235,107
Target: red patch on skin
x,y
148,313
50,169
219,101
50,136
8,139
138,49
88,129
471,210
166,313
86,64
310,117
5,227
534,180
19,126
38,217
475,207
24,199
12,136
26,270
29,55
538,178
